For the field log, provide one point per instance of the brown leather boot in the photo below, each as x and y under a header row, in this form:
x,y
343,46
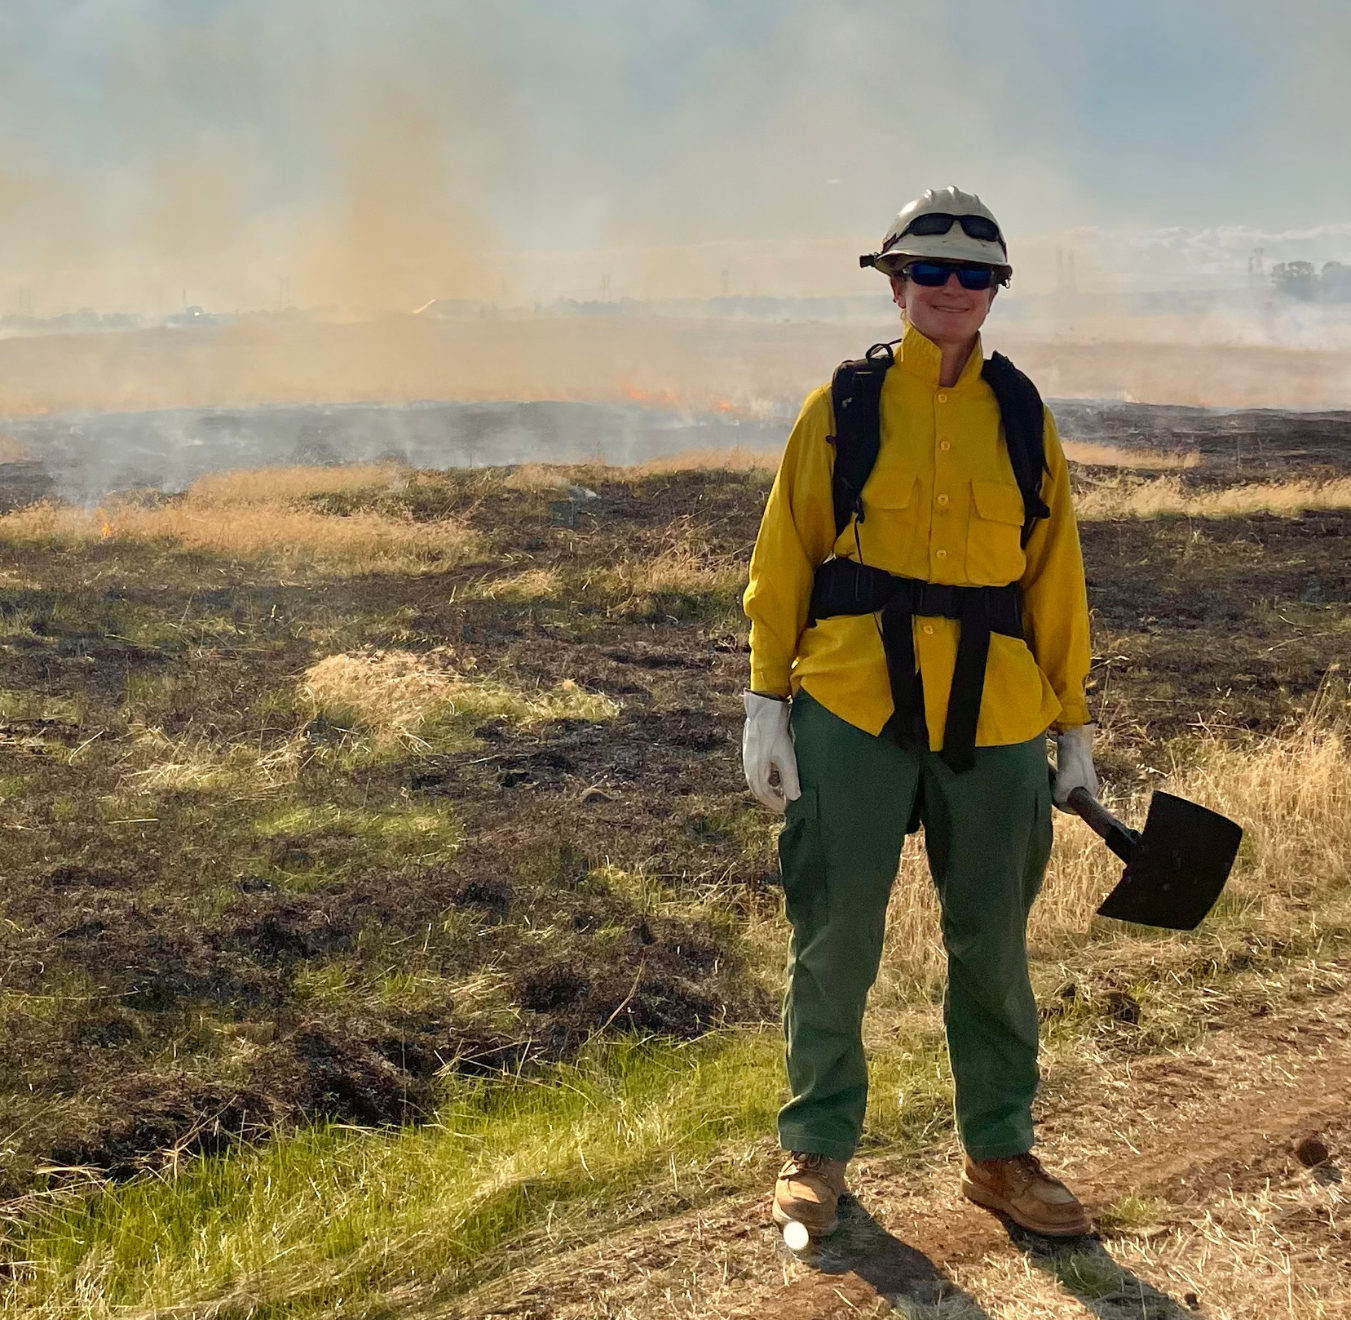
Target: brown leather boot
x,y
808,1191
1020,1188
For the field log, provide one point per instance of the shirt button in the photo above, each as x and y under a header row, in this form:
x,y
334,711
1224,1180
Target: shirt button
x,y
928,628
942,499
945,444
942,398
940,554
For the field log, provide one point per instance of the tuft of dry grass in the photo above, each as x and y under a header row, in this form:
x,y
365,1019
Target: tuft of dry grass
x,y
1127,498
402,698
736,459
535,476
1100,455
533,584
264,516
196,763
682,568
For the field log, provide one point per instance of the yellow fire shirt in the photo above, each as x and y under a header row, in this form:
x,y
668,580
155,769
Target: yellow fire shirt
x,y
941,505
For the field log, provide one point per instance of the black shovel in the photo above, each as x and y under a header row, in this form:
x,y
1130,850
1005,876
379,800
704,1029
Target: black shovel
x,y
1175,868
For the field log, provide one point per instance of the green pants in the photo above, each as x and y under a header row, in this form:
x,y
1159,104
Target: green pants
x,y
988,835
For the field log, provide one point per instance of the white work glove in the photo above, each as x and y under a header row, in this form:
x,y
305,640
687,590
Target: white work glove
x,y
1074,764
766,744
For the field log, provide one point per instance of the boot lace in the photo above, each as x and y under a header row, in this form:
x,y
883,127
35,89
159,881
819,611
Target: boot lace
x,y
1027,1169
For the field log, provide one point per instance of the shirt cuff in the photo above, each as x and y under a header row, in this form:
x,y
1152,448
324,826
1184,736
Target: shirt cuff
x,y
770,679
1072,715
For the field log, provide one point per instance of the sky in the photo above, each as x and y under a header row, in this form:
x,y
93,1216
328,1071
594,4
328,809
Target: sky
x,y
374,154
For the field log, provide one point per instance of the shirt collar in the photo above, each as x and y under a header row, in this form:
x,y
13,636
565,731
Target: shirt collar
x,y
920,357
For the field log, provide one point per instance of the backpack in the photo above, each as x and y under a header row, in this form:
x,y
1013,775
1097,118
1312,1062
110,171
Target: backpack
x,y
856,395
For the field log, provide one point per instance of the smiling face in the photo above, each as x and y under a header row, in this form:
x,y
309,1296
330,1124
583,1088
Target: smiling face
x,y
950,316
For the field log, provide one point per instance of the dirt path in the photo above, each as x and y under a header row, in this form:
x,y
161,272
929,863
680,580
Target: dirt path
x,y
1193,1152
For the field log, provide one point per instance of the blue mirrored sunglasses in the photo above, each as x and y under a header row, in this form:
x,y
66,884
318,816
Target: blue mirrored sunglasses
x,y
934,274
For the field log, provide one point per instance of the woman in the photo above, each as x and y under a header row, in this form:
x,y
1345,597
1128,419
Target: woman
x,y
850,720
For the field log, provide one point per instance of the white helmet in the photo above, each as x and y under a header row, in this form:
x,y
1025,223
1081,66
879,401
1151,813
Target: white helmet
x,y
947,236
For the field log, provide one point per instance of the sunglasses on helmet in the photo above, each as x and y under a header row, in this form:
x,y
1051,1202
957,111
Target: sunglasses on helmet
x,y
939,222
934,274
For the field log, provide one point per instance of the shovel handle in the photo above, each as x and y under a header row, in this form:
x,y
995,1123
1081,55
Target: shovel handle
x,y
1121,839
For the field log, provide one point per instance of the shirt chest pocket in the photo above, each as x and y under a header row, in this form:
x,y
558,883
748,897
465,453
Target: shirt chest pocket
x,y
889,519
994,553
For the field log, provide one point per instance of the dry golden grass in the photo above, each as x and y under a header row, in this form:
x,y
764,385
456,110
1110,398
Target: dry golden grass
x,y
530,585
735,459
279,485
683,568
1097,455
320,1215
535,476
197,764
263,516
683,565
1290,792
400,698
1252,1256
1125,498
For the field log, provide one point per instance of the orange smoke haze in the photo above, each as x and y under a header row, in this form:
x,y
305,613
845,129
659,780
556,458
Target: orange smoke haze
x,y
398,234
704,365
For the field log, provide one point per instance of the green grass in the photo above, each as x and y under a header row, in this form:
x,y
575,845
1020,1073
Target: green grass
x,y
335,1212
1131,1213
420,836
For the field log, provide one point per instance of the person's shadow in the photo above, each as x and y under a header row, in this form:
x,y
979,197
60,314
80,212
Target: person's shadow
x,y
1083,1266
901,1273
897,1271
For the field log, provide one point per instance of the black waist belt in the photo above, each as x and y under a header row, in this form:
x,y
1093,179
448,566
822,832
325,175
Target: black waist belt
x,y
843,586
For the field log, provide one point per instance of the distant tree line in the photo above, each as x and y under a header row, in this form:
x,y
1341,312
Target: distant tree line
x,y
1302,279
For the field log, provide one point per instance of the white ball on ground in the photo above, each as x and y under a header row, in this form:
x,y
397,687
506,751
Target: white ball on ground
x,y
795,1236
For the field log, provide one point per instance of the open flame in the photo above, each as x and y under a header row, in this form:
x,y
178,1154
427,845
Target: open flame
x,y
639,395
105,527
667,398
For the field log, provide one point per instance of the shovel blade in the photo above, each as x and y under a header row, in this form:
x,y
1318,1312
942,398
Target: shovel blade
x,y
1178,868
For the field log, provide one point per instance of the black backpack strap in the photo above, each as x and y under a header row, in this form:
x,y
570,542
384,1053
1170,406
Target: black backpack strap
x,y
1024,420
856,397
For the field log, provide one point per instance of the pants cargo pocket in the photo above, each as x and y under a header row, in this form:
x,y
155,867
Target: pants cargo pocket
x,y
1039,843
802,863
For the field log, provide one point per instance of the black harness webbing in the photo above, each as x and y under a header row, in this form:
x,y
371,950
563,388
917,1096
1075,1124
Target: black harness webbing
x,y
844,586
